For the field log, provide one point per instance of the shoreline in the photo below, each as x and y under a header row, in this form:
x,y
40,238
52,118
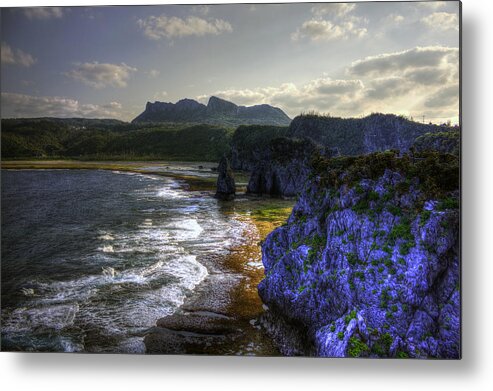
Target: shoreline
x,y
223,314
194,182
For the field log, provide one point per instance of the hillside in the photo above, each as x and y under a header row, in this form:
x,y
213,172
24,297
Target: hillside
x,y
256,148
108,139
216,112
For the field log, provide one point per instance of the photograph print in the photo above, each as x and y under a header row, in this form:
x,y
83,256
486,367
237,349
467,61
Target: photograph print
x,y
232,179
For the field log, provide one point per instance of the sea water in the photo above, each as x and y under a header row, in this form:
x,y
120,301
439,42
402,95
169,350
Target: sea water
x,y
91,259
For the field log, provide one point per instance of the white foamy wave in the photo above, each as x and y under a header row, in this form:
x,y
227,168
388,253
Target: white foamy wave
x,y
107,249
27,291
147,222
168,192
186,229
108,271
106,237
187,269
54,317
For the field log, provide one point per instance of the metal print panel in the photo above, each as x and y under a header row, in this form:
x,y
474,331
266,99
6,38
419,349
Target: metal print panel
x,y
291,186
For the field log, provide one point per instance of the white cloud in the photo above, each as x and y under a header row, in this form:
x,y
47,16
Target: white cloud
x,y
158,27
335,9
43,13
387,87
434,5
153,73
331,22
16,56
99,75
20,105
394,19
398,62
201,9
443,97
443,21
325,30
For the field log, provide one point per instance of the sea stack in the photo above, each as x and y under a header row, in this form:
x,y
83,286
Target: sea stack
x,y
226,187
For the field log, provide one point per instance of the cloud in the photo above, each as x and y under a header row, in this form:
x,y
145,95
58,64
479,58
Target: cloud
x,y
153,73
316,94
43,13
327,86
419,57
325,30
159,27
443,21
20,105
444,97
394,19
387,87
335,9
201,9
100,75
16,56
415,82
331,22
434,5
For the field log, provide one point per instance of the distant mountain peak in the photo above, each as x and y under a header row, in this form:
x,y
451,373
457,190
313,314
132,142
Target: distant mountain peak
x,y
217,112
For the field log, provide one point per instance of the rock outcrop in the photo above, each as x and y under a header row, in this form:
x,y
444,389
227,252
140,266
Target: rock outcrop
x,y
217,112
357,136
226,187
282,170
368,263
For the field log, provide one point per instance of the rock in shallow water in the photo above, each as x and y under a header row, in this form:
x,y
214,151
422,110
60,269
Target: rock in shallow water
x,y
226,187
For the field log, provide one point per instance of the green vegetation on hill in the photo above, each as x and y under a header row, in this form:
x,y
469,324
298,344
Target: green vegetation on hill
x,y
356,136
110,139
345,135
438,173
251,136
446,142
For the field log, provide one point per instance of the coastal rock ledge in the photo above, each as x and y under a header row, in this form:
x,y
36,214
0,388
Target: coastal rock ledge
x,y
368,263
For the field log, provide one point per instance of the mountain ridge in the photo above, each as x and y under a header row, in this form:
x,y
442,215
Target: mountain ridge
x,y
217,112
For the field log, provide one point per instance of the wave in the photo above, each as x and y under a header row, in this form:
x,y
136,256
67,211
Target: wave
x,y
107,249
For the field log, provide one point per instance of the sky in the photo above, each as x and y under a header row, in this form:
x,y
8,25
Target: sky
x,y
342,59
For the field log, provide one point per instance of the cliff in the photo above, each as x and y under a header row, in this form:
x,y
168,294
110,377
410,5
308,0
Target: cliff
x,y
217,112
356,136
253,146
282,168
367,265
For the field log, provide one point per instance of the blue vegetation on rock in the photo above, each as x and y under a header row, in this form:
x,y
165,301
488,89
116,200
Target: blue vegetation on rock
x,y
367,264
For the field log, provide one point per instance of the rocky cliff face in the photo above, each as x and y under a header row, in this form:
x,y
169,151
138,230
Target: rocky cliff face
x,y
282,168
356,136
217,112
336,136
368,262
